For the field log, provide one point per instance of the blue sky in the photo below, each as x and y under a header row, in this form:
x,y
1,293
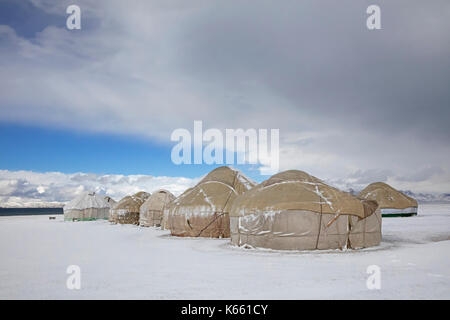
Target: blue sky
x,y
25,18
45,149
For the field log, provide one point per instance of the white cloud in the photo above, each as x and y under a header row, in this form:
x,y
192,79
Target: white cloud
x,y
28,188
34,189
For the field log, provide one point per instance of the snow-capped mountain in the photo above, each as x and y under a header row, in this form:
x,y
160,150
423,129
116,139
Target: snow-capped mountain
x,y
420,197
428,197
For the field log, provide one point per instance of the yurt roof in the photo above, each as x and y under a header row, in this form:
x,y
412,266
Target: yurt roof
x,y
87,200
215,190
387,196
297,190
132,203
142,195
110,200
158,200
229,176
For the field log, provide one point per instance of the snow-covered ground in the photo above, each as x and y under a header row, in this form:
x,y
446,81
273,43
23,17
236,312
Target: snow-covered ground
x,y
119,261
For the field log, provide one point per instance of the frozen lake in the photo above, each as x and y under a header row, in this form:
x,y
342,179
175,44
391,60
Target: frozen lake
x,y
130,262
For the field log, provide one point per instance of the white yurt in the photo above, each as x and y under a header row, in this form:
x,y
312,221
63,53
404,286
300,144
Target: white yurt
x,y
88,206
151,212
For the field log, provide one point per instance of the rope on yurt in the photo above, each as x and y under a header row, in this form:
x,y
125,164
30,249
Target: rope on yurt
x,y
364,231
212,221
320,223
225,205
162,211
349,226
333,220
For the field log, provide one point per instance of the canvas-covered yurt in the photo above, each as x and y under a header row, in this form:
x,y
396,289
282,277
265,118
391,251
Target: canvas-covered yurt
x,y
392,202
203,211
151,211
87,206
126,211
293,210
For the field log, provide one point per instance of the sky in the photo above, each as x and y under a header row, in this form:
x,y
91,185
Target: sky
x,y
353,105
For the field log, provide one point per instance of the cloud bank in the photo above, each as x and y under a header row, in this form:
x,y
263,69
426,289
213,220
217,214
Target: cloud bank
x,y
53,189
31,189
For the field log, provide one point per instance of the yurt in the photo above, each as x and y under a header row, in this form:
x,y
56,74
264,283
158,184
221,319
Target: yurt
x,y
203,211
87,206
295,211
126,211
392,202
151,211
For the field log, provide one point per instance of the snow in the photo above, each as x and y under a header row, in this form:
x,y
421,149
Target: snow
x,y
220,182
282,182
87,200
205,196
131,262
256,220
246,181
328,202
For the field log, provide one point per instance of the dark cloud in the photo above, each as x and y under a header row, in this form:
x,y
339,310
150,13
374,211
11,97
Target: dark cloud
x,y
320,56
